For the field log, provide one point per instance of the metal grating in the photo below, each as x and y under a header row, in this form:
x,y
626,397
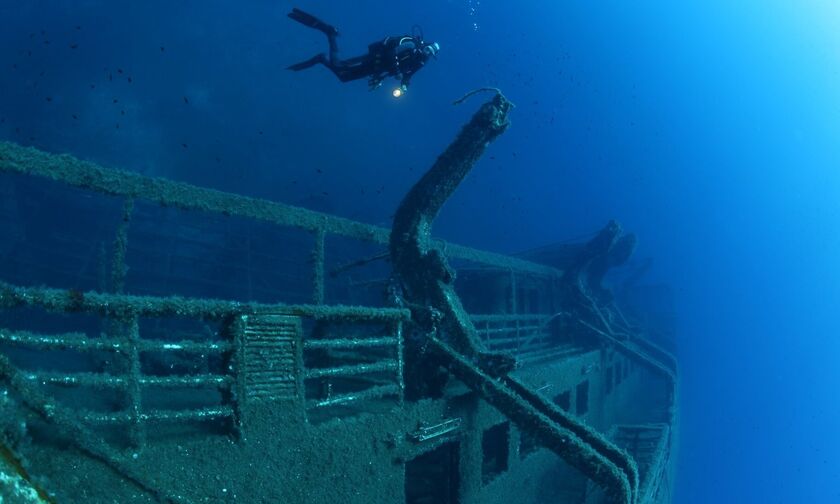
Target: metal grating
x,y
272,357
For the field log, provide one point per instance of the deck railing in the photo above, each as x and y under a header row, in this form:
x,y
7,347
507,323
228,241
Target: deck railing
x,y
527,336
260,362
133,186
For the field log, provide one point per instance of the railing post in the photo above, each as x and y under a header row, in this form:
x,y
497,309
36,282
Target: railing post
x,y
514,307
398,332
318,267
119,269
133,376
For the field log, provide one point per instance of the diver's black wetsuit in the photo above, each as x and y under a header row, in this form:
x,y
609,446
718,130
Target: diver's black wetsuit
x,y
399,56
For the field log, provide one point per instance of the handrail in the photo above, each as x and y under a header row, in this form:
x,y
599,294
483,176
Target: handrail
x,y
65,422
122,306
74,172
125,310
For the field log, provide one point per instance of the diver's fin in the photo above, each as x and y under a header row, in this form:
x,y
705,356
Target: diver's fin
x,y
312,22
303,65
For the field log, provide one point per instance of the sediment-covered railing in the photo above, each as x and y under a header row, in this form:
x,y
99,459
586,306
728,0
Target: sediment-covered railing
x,y
528,337
74,172
239,381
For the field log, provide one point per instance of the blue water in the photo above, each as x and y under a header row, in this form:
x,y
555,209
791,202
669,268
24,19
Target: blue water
x,y
708,128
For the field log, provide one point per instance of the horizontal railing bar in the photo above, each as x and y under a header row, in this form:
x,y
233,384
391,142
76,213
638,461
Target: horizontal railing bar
x,y
126,307
349,343
513,317
502,330
371,393
159,415
81,342
282,381
149,345
65,341
77,379
186,381
77,173
525,338
279,375
549,353
111,381
387,365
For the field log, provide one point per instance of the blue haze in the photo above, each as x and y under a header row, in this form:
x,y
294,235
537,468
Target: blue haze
x,y
709,128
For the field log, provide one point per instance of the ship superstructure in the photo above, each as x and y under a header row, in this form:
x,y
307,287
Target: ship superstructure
x,y
161,342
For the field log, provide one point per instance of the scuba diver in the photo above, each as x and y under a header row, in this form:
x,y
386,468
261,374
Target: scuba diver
x,y
396,56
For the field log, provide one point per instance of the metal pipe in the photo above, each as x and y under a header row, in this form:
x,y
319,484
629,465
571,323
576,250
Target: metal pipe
x,y
371,393
350,343
160,415
83,343
125,306
358,369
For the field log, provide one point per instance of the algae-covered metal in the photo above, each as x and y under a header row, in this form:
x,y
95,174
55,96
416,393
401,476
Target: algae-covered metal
x,y
317,372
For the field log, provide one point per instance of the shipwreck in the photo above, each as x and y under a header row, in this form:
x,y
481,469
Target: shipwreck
x,y
162,342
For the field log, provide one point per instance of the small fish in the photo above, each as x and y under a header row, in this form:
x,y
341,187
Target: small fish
x,y
49,98
119,71
184,145
186,100
122,112
116,101
74,46
75,117
130,80
162,49
319,170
